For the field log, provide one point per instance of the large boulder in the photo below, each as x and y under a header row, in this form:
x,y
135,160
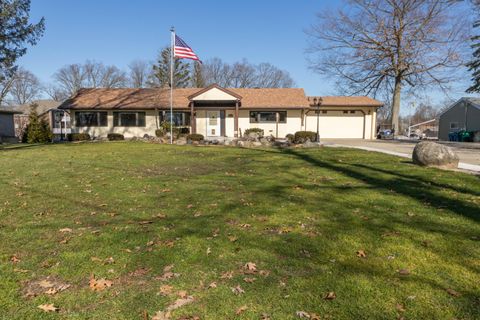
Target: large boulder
x,y
431,154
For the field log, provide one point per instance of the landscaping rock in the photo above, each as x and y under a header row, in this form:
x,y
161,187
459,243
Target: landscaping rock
x,y
253,136
244,144
256,144
181,141
282,143
310,144
431,154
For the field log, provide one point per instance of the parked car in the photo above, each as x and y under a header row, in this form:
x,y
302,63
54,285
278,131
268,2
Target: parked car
x,y
385,134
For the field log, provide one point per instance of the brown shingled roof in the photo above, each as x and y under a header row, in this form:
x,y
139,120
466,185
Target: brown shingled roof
x,y
131,99
345,101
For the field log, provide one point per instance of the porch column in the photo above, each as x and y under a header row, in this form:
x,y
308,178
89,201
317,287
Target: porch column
x,y
236,120
193,121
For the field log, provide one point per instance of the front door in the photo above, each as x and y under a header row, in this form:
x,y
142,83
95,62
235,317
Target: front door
x,y
213,123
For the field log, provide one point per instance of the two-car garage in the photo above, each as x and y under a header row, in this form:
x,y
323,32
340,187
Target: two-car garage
x,y
342,117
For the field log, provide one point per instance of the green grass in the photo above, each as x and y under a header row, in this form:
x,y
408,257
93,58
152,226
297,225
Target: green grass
x,y
301,215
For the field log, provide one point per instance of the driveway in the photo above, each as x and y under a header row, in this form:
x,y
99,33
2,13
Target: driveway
x,y
469,153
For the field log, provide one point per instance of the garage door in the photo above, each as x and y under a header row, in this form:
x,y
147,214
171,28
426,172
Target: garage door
x,y
337,124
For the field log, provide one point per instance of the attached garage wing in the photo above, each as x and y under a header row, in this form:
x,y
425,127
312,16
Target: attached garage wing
x,y
349,124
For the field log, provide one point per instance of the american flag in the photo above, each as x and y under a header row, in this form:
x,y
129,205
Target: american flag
x,y
182,50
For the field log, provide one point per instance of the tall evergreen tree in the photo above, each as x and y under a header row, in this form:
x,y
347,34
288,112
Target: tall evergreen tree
x,y
474,65
161,72
198,78
37,130
16,32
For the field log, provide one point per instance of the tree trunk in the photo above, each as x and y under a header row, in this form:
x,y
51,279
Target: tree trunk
x,y
397,90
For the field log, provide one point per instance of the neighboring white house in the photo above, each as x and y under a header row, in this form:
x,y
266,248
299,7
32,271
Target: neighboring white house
x,y
218,112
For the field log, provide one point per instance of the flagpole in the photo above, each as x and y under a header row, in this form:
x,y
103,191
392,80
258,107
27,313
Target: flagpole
x,y
172,56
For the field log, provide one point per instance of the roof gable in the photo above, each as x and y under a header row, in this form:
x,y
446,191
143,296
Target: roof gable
x,y
214,93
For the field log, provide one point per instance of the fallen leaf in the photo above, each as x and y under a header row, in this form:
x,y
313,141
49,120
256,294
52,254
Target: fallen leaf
x,y
212,285
453,292
48,307
330,295
45,284
145,222
180,303
51,291
99,284
227,275
14,259
400,307
160,315
64,230
166,290
264,273
241,310
250,266
209,251
232,238
109,261
249,280
182,294
238,290
404,272
264,316
361,254
302,314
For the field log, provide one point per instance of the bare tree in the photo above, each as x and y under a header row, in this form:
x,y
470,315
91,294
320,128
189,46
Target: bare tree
x,y
25,87
384,46
245,75
6,82
139,72
70,78
91,74
55,93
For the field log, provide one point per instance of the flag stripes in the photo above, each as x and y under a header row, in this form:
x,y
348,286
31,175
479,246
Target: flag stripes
x,y
182,50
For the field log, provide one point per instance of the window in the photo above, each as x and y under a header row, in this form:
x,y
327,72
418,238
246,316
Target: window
x,y
345,111
129,119
91,119
352,111
268,116
454,125
179,119
324,111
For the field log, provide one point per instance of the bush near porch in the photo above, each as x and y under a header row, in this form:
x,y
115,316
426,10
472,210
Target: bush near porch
x,y
247,233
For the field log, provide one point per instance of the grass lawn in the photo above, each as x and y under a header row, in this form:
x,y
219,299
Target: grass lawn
x,y
266,234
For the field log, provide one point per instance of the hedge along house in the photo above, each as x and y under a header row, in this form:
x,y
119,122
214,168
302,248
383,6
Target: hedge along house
x,y
216,112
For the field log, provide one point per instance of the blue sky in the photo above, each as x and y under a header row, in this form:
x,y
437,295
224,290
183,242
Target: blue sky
x,y
118,32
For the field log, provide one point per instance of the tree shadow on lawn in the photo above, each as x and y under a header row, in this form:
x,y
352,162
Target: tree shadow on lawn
x,y
405,185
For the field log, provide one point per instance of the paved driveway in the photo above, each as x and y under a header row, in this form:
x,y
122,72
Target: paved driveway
x,y
469,153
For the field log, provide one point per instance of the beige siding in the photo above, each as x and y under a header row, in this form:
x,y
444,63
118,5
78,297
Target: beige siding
x,y
129,132
340,125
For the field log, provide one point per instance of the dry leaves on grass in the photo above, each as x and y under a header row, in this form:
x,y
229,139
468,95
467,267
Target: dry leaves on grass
x,y
453,293
249,280
49,286
166,290
238,290
14,259
48,307
99,284
227,275
65,230
241,310
404,272
330,295
306,315
167,273
361,254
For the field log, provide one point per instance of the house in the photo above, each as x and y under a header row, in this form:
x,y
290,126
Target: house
x,y
462,115
7,126
219,112
58,120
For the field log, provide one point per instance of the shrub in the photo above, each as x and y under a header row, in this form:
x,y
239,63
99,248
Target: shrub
x,y
254,130
78,137
290,137
37,130
159,133
302,136
115,137
195,137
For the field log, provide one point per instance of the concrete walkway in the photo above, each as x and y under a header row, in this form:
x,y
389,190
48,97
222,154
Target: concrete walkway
x,y
469,153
